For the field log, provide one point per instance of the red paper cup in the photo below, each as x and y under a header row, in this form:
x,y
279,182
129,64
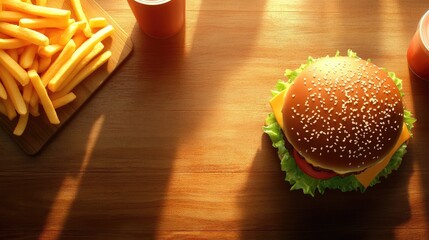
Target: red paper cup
x,y
418,51
159,18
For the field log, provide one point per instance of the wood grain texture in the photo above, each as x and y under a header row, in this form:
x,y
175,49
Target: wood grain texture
x,y
172,147
39,130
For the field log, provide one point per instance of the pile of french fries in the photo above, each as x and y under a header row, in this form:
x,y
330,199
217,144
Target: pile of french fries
x,y
44,54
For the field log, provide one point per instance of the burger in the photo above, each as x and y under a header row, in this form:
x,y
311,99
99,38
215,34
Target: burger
x,y
338,123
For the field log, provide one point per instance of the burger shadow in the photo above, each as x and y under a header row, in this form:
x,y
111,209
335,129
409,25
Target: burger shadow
x,y
271,210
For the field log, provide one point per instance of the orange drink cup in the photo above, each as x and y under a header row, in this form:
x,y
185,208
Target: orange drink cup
x,y
159,18
418,51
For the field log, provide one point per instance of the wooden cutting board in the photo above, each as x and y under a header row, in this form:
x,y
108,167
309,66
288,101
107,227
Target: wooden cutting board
x,y
39,131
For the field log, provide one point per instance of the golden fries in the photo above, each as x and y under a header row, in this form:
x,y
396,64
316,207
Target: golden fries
x,y
98,22
59,62
12,43
80,15
70,31
13,91
41,2
50,50
12,16
64,100
35,10
44,55
38,23
22,123
27,91
13,68
44,63
84,62
85,72
27,57
83,50
24,34
44,98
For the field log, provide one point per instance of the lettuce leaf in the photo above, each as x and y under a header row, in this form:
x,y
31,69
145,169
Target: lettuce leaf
x,y
307,184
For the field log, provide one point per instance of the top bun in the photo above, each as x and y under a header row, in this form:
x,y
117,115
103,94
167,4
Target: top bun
x,y
343,114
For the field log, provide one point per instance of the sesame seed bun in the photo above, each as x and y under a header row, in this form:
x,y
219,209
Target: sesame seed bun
x,y
343,114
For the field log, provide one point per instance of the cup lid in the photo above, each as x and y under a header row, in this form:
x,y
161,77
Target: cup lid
x,y
152,2
424,30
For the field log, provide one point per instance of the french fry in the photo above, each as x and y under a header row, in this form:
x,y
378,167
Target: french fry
x,y
64,100
38,23
41,2
34,100
50,50
13,16
70,31
13,91
44,98
3,94
98,22
24,34
14,68
11,43
35,10
77,56
27,91
10,110
84,62
35,65
71,20
80,15
44,63
67,52
21,125
34,110
27,57
85,72
55,66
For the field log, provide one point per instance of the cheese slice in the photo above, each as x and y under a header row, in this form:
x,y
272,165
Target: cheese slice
x,y
366,177
277,105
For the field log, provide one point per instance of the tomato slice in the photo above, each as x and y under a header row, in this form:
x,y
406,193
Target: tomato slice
x,y
310,170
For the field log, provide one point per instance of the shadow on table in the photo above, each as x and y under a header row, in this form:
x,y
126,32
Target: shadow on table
x,y
123,195
271,211
33,201
420,98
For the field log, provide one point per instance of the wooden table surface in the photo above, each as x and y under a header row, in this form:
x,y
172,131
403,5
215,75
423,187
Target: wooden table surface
x,y
171,146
